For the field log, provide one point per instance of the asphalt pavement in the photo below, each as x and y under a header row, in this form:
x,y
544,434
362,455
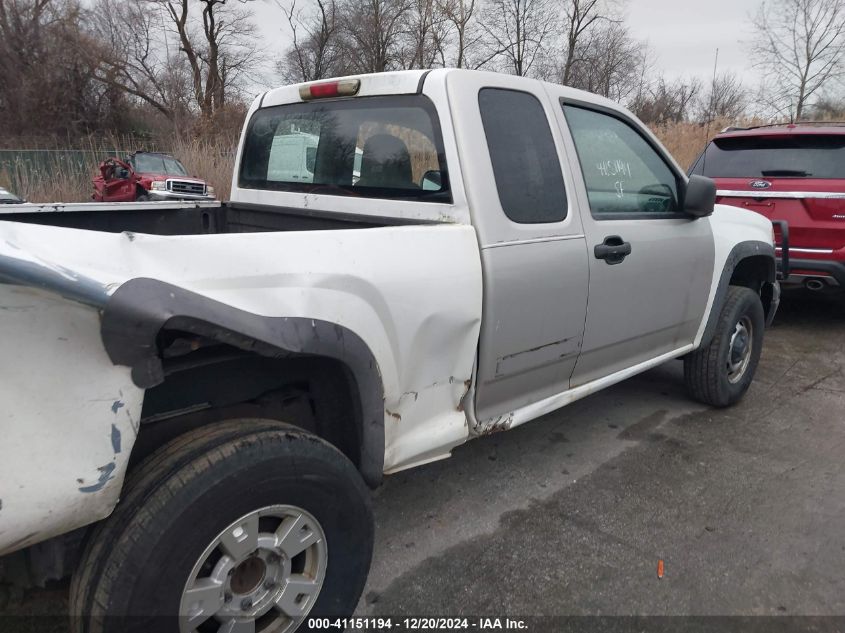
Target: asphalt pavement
x,y
570,514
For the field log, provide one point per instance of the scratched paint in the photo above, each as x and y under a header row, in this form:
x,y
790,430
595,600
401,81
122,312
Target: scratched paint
x,y
105,475
115,439
72,418
495,425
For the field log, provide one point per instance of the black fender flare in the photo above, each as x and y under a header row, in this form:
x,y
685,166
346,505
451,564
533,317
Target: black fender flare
x,y
141,308
743,250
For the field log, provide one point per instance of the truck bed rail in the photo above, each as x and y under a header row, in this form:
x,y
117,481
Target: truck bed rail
x,y
71,207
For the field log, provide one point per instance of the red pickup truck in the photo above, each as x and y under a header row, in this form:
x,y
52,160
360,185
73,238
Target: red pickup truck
x,y
147,176
793,173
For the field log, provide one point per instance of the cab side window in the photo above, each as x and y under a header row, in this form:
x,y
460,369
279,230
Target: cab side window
x,y
623,173
525,162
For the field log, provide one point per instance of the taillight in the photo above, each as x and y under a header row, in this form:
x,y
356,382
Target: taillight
x,y
329,89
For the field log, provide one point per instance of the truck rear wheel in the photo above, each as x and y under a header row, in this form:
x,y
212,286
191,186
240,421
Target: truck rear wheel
x,y
244,525
720,373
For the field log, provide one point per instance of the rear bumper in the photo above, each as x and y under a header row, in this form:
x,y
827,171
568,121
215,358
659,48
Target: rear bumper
x,y
829,271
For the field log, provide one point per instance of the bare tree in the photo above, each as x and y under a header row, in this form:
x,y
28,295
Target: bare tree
x,y
351,36
461,15
373,32
46,86
607,61
130,52
580,17
314,52
799,44
517,33
426,35
22,26
725,99
667,102
223,54
828,108
175,54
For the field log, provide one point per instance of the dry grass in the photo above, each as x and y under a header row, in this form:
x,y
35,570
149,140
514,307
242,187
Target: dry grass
x,y
213,161
59,186
685,141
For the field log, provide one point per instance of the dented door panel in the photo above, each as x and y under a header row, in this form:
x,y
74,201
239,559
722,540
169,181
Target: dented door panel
x,y
535,299
535,273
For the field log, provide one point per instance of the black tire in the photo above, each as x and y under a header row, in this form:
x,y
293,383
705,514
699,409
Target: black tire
x,y
136,563
706,371
142,197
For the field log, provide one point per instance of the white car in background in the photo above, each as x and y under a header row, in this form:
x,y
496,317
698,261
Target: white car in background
x,y
7,197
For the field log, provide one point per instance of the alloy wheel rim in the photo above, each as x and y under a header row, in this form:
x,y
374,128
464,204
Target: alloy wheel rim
x,y
262,574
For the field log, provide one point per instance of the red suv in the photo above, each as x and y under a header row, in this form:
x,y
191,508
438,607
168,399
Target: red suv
x,y
793,173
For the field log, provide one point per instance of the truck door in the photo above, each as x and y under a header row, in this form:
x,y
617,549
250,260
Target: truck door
x,y
118,181
533,251
651,266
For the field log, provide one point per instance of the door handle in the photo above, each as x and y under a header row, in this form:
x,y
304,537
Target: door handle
x,y
613,250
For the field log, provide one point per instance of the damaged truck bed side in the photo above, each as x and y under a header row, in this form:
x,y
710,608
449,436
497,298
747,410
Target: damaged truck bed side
x,y
195,394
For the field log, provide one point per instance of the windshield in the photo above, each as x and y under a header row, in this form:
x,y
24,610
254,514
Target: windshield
x,y
157,164
798,156
379,147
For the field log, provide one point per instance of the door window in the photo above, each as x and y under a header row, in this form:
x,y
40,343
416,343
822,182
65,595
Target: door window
x,y
525,163
623,173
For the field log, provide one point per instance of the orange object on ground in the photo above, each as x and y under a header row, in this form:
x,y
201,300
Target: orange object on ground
x,y
660,568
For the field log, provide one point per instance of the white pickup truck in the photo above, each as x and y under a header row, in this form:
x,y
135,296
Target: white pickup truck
x,y
196,396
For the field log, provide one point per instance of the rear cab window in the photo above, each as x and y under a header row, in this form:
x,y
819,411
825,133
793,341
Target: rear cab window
x,y
377,147
525,163
774,156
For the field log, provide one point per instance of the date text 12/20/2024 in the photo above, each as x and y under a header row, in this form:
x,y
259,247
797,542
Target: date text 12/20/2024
x,y
416,624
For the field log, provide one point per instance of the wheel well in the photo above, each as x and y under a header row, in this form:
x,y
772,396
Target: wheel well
x,y
220,382
161,330
757,273
207,385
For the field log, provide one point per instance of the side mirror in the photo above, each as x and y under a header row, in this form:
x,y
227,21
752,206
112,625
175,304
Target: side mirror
x,y
432,180
699,196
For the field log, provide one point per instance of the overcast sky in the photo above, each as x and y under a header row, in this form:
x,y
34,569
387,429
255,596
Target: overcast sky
x,y
683,34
